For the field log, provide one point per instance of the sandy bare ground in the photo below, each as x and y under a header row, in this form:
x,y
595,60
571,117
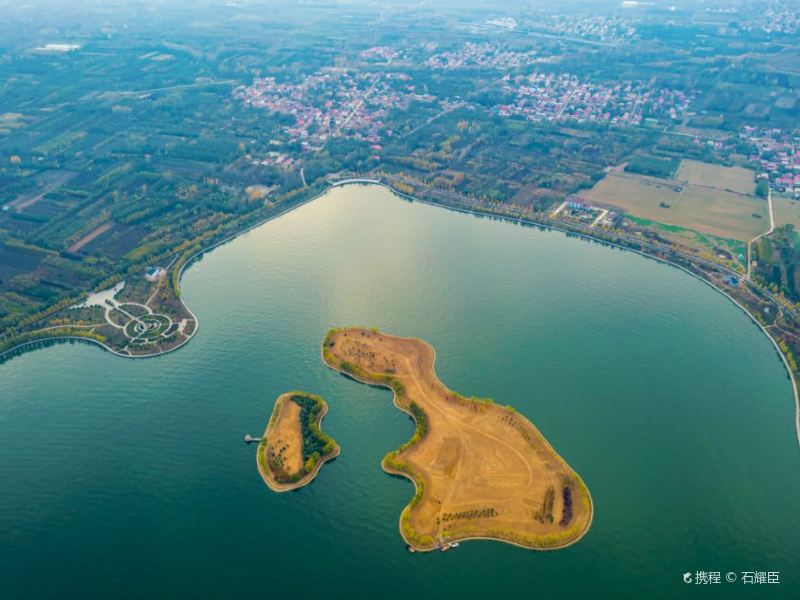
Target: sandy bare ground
x,y
481,470
90,236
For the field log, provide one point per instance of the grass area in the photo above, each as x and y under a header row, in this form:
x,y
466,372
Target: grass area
x,y
61,141
776,258
656,166
10,121
703,243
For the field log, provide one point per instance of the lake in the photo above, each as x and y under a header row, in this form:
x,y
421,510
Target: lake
x,y
130,477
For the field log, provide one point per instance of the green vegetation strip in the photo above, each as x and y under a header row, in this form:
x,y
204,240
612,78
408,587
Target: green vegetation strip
x,y
318,447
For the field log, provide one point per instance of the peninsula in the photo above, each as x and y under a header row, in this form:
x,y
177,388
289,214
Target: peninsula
x,y
481,470
294,448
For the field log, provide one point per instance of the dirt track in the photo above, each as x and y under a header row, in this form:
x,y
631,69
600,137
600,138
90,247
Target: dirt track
x,y
484,470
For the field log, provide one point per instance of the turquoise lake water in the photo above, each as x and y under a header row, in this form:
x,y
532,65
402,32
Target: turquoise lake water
x,y
129,478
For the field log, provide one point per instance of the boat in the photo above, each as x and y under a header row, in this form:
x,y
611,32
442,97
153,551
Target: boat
x,y
410,549
455,545
445,547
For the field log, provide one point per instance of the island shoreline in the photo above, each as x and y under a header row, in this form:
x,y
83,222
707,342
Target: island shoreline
x,y
311,475
26,345
408,476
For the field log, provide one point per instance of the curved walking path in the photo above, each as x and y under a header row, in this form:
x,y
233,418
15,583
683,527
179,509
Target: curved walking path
x,y
123,352
758,237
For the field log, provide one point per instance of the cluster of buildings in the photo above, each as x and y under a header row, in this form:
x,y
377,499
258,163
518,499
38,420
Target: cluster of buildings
x,y
483,55
778,155
334,102
154,273
277,159
607,29
785,22
509,23
565,97
576,208
780,17
354,104
379,54
767,16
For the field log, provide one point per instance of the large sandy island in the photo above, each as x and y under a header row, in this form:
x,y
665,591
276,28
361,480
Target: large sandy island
x,y
280,454
482,471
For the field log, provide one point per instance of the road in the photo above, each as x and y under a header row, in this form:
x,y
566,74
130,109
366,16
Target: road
x,y
171,88
758,237
360,102
456,106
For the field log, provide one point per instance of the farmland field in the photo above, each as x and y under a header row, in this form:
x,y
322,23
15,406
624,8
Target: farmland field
x,y
786,211
735,179
707,210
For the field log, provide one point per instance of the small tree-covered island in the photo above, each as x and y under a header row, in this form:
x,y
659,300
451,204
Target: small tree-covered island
x,y
481,470
294,448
